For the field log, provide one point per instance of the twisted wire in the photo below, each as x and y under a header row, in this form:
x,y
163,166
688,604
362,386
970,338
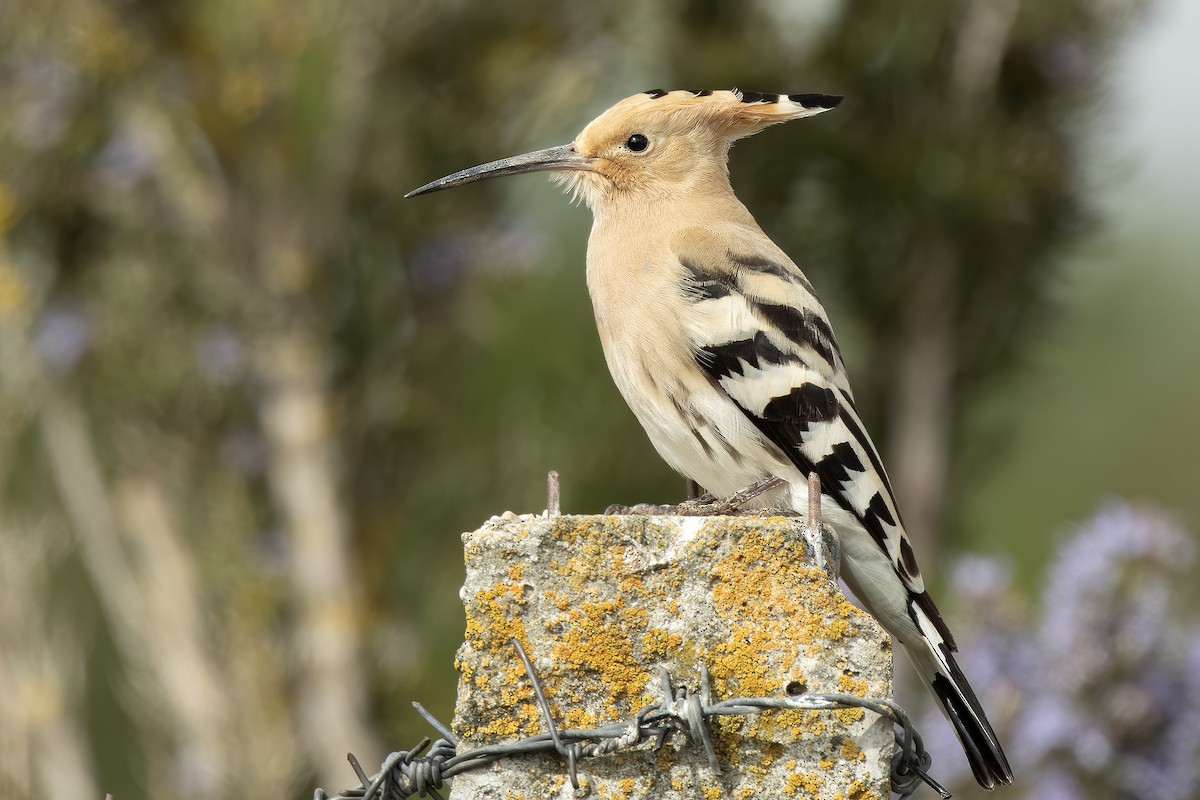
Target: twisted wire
x,y
415,773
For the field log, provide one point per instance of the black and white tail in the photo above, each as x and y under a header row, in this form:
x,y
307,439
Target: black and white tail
x,y
939,670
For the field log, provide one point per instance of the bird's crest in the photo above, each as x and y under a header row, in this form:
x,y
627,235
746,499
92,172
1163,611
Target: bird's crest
x,y
733,113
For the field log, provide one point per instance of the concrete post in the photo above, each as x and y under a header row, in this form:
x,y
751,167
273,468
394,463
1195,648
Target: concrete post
x,y
600,602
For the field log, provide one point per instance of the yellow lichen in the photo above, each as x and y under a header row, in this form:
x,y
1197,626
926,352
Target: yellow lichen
x,y
658,644
598,642
851,751
797,782
496,617
770,596
848,684
860,791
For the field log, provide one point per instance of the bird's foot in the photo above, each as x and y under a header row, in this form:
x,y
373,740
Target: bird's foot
x,y
709,506
703,506
642,510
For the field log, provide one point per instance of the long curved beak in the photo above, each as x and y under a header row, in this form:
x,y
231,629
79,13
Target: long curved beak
x,y
562,157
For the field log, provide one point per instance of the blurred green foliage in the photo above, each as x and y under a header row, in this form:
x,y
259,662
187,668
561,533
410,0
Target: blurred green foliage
x,y
217,313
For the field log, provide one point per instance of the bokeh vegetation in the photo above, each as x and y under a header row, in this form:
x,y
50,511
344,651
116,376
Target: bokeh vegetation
x,y
1095,684
249,396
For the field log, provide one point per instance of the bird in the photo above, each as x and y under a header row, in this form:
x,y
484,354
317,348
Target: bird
x,y
719,345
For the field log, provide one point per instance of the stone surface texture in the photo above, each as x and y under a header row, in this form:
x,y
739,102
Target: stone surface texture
x,y
599,602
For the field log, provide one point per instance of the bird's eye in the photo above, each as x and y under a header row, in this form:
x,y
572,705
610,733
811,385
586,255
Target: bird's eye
x,y
637,143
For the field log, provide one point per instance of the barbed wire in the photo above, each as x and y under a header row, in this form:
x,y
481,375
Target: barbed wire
x,y
424,770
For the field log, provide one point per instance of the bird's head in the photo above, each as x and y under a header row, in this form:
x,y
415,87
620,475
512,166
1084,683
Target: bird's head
x,y
652,145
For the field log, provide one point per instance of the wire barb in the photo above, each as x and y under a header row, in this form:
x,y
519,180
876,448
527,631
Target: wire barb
x,y
415,772
435,723
358,770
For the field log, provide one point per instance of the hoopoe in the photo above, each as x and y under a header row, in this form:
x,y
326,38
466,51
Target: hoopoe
x,y
721,348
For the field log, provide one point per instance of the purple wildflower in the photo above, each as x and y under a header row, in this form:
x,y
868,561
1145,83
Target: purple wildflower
x,y
221,356
62,336
1096,692
438,266
50,88
245,451
127,158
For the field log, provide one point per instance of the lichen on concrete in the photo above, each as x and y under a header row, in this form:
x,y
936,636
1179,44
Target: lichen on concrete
x,y
599,602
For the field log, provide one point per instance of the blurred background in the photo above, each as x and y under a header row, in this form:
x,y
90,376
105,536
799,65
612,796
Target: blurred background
x,y
249,396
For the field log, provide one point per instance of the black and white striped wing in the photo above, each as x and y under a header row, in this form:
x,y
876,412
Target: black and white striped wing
x,y
761,334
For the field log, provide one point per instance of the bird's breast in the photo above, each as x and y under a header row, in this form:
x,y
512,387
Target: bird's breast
x,y
637,312
644,322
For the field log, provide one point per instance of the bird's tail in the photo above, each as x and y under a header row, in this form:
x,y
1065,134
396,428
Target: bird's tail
x,y
934,658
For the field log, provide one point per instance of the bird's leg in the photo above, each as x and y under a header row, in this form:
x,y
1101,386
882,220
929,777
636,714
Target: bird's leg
x,y
709,506
703,506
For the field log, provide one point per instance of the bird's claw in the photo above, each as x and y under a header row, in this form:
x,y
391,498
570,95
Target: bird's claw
x,y
704,506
